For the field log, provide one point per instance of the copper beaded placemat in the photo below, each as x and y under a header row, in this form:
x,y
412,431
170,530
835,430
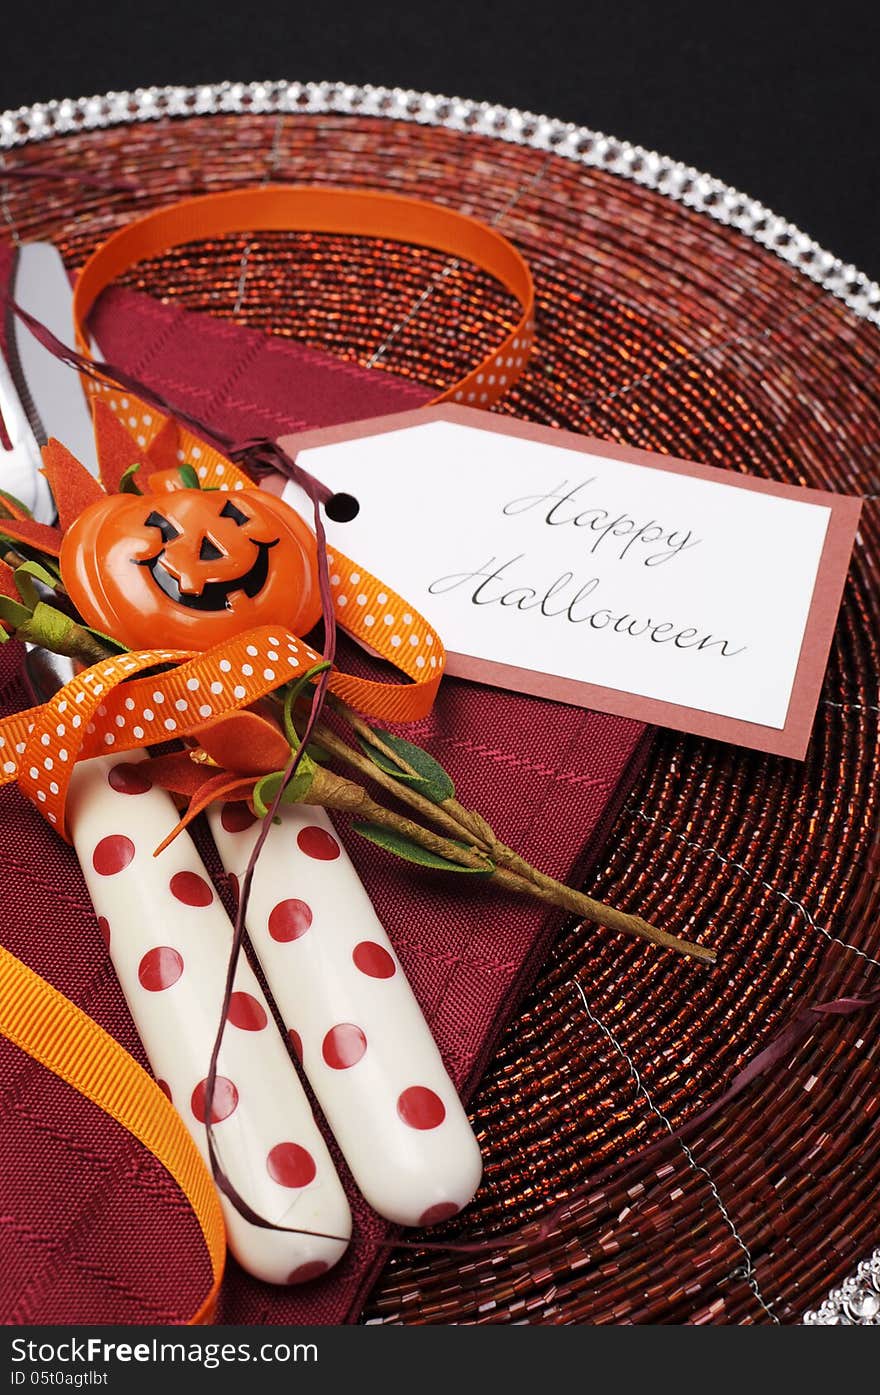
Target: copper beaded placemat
x,y
665,328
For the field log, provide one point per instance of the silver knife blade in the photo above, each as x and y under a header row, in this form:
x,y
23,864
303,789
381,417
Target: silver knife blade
x,y
50,392
45,673
20,463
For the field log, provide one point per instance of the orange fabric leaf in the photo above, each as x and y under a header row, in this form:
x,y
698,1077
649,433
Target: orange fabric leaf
x,y
218,788
73,487
117,450
36,535
7,583
245,742
162,450
177,773
13,509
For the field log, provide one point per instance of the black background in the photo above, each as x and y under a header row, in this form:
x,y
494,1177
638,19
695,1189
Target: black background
x,y
779,99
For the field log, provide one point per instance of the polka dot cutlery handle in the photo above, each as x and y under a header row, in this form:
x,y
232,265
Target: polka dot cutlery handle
x,y
364,1044
169,938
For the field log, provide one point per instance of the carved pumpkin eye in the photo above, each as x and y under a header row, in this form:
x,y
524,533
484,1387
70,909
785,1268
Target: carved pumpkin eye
x,y
209,551
230,511
167,530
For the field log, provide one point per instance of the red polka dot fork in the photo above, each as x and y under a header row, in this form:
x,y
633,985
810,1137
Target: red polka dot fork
x,y
364,1044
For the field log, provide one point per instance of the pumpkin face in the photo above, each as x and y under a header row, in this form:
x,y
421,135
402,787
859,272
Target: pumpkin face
x,y
188,568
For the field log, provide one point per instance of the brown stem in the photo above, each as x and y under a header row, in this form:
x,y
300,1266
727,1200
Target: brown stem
x,y
80,644
76,643
512,870
374,739
467,821
335,792
13,559
555,893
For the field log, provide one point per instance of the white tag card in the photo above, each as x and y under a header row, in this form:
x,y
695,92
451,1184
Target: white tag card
x,y
659,589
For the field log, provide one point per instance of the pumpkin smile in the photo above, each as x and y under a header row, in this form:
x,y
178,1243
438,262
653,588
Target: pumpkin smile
x,y
214,595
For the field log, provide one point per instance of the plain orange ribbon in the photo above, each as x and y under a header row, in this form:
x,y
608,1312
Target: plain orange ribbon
x,y
107,708
360,212
58,1034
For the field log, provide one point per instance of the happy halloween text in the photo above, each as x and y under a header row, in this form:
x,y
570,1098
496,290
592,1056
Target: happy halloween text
x,y
620,537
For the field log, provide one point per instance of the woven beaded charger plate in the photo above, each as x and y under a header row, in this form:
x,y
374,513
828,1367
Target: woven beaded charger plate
x,y
676,315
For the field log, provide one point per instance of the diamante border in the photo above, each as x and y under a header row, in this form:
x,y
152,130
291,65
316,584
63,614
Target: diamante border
x,y
593,149
855,1303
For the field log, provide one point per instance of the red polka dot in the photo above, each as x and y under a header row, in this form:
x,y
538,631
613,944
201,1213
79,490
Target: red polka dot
x,y
113,854
245,1012
373,959
296,1042
317,842
343,1046
443,1211
129,779
235,818
313,1270
421,1108
289,919
290,1165
223,1104
191,889
165,1088
104,927
160,968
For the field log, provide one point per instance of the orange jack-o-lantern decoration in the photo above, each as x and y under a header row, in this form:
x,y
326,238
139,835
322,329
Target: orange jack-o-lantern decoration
x,y
189,568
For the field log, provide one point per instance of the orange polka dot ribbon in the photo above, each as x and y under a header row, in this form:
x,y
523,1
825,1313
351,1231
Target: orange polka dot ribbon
x,y
93,714
31,748
108,708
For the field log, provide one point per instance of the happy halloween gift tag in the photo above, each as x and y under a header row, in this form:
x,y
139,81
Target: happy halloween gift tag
x,y
608,577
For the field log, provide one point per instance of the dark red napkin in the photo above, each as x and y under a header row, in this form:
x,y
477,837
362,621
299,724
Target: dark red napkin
x,y
92,1228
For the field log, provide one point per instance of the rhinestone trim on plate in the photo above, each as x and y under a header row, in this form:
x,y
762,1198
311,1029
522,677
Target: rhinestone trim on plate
x,y
857,1300
856,1303
677,181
